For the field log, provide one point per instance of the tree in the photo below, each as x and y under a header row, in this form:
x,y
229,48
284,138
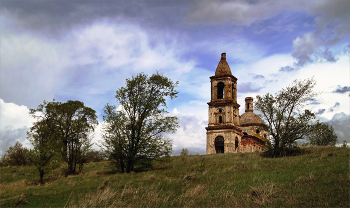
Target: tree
x,y
184,152
16,155
46,154
284,114
322,134
135,134
71,124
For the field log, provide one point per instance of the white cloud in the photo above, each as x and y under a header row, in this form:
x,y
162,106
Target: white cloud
x,y
14,122
30,68
191,135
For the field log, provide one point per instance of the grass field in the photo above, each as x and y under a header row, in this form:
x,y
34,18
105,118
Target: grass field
x,y
319,178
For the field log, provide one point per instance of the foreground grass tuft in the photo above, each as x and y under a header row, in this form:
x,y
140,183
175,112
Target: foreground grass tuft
x,y
318,178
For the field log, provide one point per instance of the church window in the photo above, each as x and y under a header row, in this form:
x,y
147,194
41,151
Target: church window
x,y
257,131
245,133
221,90
220,110
220,119
233,90
236,143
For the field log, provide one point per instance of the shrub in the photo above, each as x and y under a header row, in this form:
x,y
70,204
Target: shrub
x,y
184,152
16,155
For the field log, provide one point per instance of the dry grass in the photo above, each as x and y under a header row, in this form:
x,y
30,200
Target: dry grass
x,y
14,187
318,179
263,194
305,179
199,190
100,199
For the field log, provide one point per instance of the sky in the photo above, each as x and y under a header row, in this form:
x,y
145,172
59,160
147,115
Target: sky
x,y
85,50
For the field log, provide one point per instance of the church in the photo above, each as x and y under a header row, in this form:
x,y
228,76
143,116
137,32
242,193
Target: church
x,y
227,131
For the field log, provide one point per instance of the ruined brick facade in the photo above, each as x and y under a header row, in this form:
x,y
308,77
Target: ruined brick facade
x,y
227,132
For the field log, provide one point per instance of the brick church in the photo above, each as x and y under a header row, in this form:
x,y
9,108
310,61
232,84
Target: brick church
x,y
227,131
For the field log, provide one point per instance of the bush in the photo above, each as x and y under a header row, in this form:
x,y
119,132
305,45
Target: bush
x,y
94,156
16,155
184,152
345,144
290,150
322,134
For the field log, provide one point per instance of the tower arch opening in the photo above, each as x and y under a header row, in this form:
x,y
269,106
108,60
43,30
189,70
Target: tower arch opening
x,y
219,144
220,87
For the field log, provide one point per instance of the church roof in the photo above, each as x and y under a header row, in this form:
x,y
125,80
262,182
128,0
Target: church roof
x,y
249,119
223,68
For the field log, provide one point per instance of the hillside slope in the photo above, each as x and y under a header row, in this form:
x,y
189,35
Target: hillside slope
x,y
317,179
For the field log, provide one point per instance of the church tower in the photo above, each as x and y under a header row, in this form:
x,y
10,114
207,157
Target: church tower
x,y
223,131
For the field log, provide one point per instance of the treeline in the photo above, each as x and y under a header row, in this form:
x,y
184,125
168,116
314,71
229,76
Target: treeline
x,y
133,137
17,155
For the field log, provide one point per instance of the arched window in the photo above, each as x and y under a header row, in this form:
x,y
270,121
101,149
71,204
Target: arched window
x,y
236,143
233,91
221,90
219,144
257,131
220,119
245,133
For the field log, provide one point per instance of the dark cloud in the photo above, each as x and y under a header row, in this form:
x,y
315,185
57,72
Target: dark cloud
x,y
340,123
56,17
258,76
346,49
337,104
248,87
9,136
342,90
328,56
287,69
320,111
315,102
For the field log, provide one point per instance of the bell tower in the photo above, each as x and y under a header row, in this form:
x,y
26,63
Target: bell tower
x,y
223,131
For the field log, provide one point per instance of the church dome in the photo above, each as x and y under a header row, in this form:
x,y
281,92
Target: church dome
x,y
249,119
223,69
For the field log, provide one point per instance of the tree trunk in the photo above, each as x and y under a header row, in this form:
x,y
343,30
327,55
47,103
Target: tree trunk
x,y
122,165
41,176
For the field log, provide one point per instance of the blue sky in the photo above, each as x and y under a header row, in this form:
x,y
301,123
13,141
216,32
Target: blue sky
x,y
84,50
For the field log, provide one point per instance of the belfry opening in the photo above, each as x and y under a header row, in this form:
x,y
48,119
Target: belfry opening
x,y
221,90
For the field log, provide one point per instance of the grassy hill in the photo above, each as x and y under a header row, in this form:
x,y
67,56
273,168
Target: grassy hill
x,y
320,178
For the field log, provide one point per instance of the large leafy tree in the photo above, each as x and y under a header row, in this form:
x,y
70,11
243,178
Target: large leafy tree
x,y
71,124
322,134
135,135
285,115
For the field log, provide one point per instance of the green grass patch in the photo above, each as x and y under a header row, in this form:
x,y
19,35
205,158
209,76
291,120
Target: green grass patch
x,y
319,178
